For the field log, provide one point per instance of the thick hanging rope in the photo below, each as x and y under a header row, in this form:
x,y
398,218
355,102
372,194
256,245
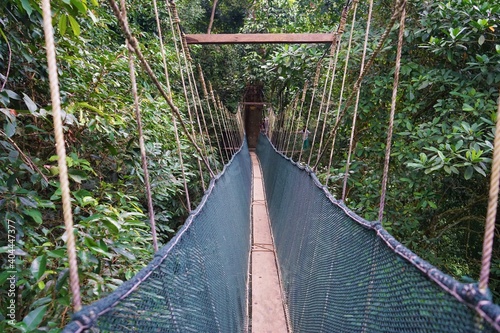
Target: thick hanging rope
x,y
342,89
219,122
314,88
323,96
176,32
145,65
489,231
142,146
194,92
393,111
61,153
207,101
174,121
328,100
302,100
197,99
356,104
162,48
291,132
396,14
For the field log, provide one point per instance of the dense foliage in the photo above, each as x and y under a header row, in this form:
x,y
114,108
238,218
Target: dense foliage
x,y
440,159
109,204
447,102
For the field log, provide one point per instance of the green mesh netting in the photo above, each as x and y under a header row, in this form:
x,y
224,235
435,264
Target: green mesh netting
x,y
341,273
198,281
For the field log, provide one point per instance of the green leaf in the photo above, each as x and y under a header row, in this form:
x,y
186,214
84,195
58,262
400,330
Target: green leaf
x,y
34,318
35,215
63,24
111,224
482,22
479,170
59,253
80,6
62,278
10,128
74,25
481,40
497,47
468,173
92,245
38,266
27,7
29,103
77,175
467,107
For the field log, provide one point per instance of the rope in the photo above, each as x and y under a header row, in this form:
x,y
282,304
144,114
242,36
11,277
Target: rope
x,y
216,110
289,124
162,48
315,86
194,93
328,101
231,127
338,118
202,113
356,105
383,38
330,67
176,31
142,146
61,153
227,129
294,107
174,122
304,93
489,232
393,111
205,93
145,65
340,33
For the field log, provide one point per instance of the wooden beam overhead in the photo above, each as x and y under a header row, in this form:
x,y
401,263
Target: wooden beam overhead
x,y
259,38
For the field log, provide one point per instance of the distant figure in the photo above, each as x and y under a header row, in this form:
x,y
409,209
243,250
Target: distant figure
x,y
305,138
266,125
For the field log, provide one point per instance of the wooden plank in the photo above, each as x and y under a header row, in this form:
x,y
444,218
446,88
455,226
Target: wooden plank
x,y
259,38
268,311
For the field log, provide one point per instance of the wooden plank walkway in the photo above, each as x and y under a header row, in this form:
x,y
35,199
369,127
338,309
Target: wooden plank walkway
x,y
267,310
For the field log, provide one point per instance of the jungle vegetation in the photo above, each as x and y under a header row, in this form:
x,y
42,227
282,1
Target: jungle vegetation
x,y
441,155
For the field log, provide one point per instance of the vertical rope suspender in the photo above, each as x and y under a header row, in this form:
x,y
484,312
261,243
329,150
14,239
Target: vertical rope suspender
x,y
356,104
489,230
393,111
142,146
61,154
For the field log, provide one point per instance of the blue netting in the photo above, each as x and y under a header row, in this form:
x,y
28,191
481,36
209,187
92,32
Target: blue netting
x,y
341,273
198,281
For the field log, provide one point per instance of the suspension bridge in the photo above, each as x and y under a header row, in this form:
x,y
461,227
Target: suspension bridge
x,y
269,249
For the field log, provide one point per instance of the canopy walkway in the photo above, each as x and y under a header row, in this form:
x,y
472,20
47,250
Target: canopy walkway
x,y
327,269
339,273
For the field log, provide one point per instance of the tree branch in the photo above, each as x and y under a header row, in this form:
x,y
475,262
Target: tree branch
x,y
212,17
25,158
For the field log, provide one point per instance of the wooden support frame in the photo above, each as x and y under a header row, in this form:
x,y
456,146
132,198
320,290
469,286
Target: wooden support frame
x,y
260,38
